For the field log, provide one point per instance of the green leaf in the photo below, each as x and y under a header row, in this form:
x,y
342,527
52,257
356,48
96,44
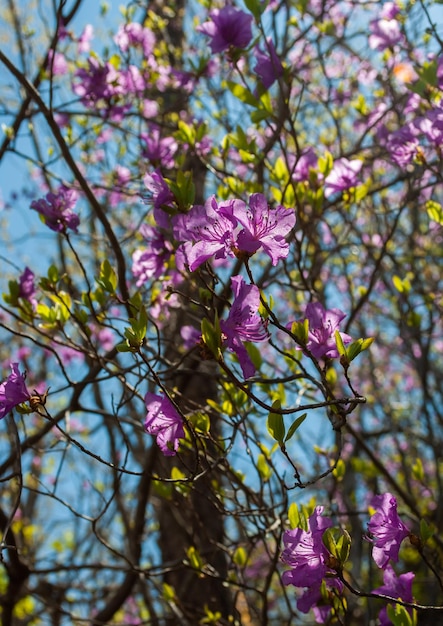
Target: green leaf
x,y
294,515
211,335
124,346
168,592
53,274
295,426
242,93
426,531
339,343
263,468
399,615
325,163
298,516
108,277
339,470
194,558
418,470
256,7
260,115
240,556
338,542
435,211
200,421
354,349
254,354
403,285
301,331
275,424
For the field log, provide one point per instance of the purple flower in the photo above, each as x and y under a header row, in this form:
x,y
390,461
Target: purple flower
x,y
162,197
322,326
95,82
151,262
305,552
57,63
134,34
26,286
402,146
308,159
387,529
243,322
164,422
190,335
158,150
263,227
228,27
13,391
344,175
56,209
385,33
312,599
210,227
268,66
84,41
395,587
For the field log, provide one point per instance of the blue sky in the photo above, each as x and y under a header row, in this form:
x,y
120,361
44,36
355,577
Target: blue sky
x,y
20,226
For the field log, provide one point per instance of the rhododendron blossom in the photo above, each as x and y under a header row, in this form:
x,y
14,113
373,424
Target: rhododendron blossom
x,y
159,150
395,587
312,599
308,160
343,176
322,326
227,27
268,66
57,210
151,261
26,283
305,552
385,32
386,529
264,227
207,231
164,422
134,34
13,391
161,197
244,323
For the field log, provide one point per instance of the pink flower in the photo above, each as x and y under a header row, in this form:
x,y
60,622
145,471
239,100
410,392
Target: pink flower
x,y
386,529
210,227
312,599
395,587
27,286
84,41
264,227
161,196
344,175
57,64
159,151
134,34
164,422
151,262
305,552
322,326
13,391
268,66
56,209
244,323
385,32
227,27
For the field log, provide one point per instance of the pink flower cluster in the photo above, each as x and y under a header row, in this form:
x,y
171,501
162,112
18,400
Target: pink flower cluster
x,y
233,228
310,561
